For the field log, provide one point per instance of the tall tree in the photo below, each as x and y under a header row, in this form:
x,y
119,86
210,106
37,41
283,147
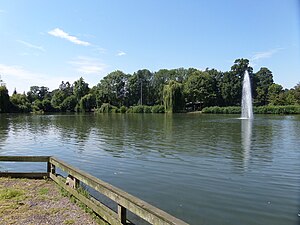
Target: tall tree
x,y
113,89
87,103
4,100
275,94
39,93
200,88
80,89
173,97
141,88
20,103
264,79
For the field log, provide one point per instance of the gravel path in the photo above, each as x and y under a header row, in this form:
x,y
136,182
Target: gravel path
x,y
26,201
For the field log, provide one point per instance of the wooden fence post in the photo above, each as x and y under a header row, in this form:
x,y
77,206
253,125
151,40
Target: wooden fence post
x,y
122,214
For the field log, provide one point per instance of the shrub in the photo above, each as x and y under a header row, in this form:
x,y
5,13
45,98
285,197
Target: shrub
x,y
123,109
222,110
268,109
107,108
147,109
288,109
158,109
138,109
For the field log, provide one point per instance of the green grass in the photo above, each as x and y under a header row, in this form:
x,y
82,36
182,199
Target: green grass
x,y
68,222
43,191
9,193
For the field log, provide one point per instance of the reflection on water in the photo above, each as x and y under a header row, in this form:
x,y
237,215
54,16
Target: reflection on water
x,y
4,129
246,134
204,169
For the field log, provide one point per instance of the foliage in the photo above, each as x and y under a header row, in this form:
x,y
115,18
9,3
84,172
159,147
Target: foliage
x,y
4,100
173,97
147,109
37,92
269,109
20,103
275,94
199,87
145,91
69,104
137,109
112,89
80,88
123,109
57,99
158,109
222,110
106,108
87,103
264,79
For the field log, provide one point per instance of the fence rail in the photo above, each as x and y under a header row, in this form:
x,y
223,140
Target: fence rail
x,y
123,200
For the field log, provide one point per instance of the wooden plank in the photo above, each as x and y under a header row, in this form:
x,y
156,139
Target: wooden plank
x,y
24,175
142,209
25,158
102,210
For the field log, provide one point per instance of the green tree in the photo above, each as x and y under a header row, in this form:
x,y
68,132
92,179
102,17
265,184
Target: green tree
x,y
80,89
4,100
173,97
264,79
20,103
141,88
297,93
275,94
200,88
231,82
37,92
113,89
240,66
67,88
216,77
57,98
69,104
230,89
163,77
87,103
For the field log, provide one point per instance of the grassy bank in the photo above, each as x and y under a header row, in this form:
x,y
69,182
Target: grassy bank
x,y
288,109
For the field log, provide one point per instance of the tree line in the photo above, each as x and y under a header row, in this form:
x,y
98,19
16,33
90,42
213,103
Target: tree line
x,y
174,90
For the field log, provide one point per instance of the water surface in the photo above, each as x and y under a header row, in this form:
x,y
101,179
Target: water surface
x,y
204,169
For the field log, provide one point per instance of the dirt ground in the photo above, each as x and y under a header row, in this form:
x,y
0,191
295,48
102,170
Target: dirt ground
x,y
26,201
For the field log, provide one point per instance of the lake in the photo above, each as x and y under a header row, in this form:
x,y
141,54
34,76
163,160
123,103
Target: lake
x,y
204,169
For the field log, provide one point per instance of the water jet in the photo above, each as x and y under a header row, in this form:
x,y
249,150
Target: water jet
x,y
247,110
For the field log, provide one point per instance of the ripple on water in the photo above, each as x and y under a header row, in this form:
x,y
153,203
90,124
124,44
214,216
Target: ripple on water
x,y
202,168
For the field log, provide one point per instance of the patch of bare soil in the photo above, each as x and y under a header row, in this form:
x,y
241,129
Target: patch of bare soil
x,y
26,201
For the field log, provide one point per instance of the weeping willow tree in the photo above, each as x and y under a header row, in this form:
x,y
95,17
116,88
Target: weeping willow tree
x,y
173,97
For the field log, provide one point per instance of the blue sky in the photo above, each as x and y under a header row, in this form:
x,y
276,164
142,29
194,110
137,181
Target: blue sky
x,y
46,42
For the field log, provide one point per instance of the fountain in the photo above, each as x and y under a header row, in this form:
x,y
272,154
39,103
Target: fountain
x,y
247,112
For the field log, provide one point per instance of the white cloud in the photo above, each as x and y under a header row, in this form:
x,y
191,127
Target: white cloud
x,y
265,54
121,53
22,79
87,65
61,34
29,45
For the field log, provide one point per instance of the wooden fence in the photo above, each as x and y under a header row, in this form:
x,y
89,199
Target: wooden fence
x,y
123,200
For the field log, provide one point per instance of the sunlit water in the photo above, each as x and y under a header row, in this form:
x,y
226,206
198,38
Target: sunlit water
x,y
204,169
